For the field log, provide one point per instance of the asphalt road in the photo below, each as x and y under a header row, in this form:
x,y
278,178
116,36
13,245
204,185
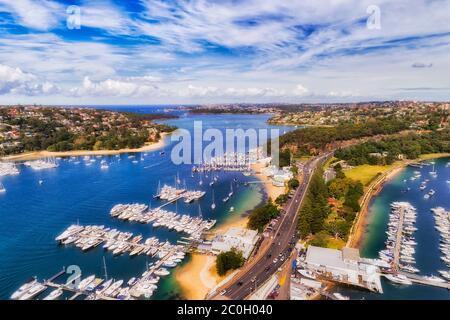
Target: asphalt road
x,y
283,239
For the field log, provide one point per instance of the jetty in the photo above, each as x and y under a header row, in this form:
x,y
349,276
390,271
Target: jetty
x,y
398,241
414,278
89,237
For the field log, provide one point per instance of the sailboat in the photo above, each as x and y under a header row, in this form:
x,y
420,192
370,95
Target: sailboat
x,y
158,191
231,189
200,212
213,205
2,188
433,173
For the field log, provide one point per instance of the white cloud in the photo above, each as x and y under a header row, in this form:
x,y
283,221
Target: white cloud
x,y
300,90
15,81
272,50
110,87
37,14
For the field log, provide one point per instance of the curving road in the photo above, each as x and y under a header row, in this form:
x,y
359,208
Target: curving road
x,y
282,242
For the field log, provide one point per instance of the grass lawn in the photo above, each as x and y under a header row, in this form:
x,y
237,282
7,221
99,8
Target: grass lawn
x,y
333,243
433,156
365,173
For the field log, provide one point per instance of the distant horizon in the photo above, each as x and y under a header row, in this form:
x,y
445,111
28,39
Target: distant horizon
x,y
220,104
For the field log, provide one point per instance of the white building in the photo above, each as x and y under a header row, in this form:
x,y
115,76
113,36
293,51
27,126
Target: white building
x,y
343,266
239,238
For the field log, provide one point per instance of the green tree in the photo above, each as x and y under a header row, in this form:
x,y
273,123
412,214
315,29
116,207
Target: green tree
x,y
260,217
229,260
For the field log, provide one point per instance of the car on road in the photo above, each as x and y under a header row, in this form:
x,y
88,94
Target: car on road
x,y
240,283
222,293
275,260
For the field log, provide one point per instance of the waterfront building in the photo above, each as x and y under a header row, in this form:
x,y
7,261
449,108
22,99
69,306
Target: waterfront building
x,y
343,266
239,238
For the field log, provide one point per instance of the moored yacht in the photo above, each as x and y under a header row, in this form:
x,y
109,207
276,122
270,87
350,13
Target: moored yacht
x,y
398,278
55,294
24,288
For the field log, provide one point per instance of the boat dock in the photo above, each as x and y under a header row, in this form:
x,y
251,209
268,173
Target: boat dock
x,y
76,293
194,226
398,241
423,280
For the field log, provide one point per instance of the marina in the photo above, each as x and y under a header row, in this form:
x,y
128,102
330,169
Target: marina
x,y
400,242
40,164
8,168
194,226
95,288
75,191
89,237
231,161
442,218
428,277
172,194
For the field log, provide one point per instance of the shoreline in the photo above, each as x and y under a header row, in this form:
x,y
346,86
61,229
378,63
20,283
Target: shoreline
x,y
272,191
359,227
198,276
161,143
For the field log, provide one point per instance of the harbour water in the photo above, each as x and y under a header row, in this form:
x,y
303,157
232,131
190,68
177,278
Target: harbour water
x,y
427,237
32,214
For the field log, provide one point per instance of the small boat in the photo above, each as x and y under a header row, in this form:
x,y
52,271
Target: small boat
x,y
339,296
162,272
231,190
34,290
103,287
112,290
435,279
213,205
445,274
24,288
307,274
231,209
55,294
132,281
85,282
399,278
2,188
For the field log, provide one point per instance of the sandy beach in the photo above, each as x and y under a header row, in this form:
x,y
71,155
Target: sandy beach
x,y
359,229
43,154
272,191
198,276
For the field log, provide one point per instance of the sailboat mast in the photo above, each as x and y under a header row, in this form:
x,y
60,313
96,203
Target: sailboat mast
x,y
104,266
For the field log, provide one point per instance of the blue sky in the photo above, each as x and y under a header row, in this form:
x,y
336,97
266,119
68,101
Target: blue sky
x,y
199,51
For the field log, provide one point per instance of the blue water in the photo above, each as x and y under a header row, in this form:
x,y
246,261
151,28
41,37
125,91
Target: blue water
x,y
32,215
427,251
